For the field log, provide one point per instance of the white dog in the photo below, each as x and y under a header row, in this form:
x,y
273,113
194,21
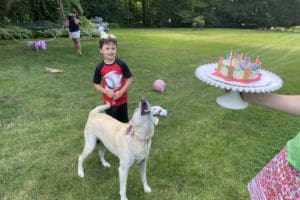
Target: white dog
x,y
130,142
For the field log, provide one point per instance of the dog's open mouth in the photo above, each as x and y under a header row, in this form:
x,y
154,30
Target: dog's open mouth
x,y
145,108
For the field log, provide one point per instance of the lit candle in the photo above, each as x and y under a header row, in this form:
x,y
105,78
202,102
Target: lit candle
x,y
247,72
220,64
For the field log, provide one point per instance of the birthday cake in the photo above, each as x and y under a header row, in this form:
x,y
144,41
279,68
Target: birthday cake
x,y
237,67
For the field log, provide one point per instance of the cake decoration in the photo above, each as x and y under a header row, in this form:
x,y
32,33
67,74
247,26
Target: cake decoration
x,y
237,67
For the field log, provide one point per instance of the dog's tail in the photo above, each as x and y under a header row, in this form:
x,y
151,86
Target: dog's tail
x,y
100,108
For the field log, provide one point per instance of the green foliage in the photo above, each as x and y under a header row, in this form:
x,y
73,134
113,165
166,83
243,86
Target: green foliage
x,y
70,4
4,21
156,13
282,29
84,22
114,25
41,10
36,10
198,22
15,32
191,11
88,28
50,33
110,11
285,13
295,28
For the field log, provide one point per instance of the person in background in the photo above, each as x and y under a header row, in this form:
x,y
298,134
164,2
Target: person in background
x,y
112,79
73,22
280,178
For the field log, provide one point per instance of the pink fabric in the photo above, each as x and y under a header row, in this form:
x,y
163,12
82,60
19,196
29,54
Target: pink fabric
x,y
40,44
277,181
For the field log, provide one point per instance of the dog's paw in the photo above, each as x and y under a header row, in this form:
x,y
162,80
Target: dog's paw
x,y
147,189
80,173
124,198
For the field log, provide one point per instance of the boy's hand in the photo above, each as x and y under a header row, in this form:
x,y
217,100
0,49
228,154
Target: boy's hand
x,y
117,95
109,93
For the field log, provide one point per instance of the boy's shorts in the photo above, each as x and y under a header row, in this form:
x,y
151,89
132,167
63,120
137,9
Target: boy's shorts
x,y
119,112
74,35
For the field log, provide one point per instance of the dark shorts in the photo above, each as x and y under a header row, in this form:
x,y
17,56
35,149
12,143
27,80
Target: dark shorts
x,y
119,112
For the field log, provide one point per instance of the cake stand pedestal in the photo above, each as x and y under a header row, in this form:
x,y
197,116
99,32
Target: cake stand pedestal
x,y
231,100
269,82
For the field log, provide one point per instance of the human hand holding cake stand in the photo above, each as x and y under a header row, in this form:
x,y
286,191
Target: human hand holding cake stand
x,y
268,82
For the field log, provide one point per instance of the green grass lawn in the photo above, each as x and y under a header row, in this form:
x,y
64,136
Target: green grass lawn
x,y
199,151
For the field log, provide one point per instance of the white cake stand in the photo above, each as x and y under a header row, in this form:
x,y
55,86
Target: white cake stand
x,y
269,82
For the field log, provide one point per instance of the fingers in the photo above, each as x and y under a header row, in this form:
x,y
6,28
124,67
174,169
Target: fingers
x,y
117,95
109,93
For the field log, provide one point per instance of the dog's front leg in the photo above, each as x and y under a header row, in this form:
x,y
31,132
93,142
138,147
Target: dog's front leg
x,y
143,172
123,174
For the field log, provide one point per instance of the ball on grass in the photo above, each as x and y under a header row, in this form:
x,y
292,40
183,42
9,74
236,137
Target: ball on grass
x,y
159,85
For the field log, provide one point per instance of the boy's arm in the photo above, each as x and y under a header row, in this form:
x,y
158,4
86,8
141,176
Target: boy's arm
x,y
102,90
119,93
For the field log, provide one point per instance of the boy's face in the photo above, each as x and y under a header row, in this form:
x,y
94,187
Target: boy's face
x,y
109,51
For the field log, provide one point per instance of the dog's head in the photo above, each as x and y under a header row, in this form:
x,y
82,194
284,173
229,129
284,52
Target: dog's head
x,y
142,118
143,111
145,107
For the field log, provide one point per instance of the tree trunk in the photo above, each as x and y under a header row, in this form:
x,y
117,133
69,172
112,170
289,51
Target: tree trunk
x,y
144,12
60,9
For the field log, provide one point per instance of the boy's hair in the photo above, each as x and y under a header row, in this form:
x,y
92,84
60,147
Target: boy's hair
x,y
107,40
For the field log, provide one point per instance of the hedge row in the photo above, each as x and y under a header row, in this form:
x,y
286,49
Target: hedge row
x,y
88,29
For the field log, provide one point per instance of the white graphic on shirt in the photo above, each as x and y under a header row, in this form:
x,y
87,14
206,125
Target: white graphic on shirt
x,y
113,80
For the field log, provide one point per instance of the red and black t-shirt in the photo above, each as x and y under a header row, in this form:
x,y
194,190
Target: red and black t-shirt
x,y
112,76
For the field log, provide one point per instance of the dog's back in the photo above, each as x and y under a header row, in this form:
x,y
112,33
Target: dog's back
x,y
104,127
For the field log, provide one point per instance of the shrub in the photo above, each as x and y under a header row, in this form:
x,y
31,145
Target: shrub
x,y
114,25
198,22
277,28
87,28
50,33
13,32
295,29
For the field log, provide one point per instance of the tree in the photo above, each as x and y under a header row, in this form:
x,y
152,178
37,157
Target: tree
x,y
285,13
5,6
244,13
192,9
35,10
109,10
161,13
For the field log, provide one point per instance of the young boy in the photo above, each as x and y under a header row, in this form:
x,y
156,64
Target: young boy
x,y
112,79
